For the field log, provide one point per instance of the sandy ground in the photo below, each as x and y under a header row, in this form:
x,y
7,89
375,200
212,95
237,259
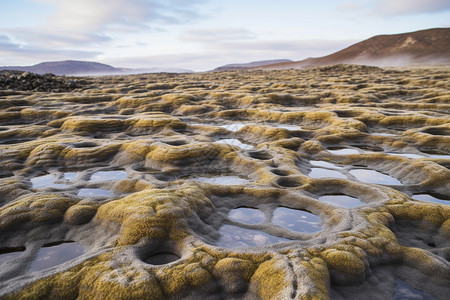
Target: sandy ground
x,y
322,183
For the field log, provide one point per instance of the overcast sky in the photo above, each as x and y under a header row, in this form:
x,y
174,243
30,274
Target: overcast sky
x,y
200,34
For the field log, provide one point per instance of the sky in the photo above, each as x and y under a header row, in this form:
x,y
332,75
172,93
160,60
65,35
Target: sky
x,y
200,34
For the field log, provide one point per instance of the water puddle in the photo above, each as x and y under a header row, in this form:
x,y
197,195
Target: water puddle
x,y
234,127
108,175
323,173
404,292
46,181
432,198
70,176
408,155
436,154
288,126
439,156
223,180
324,164
247,215
342,151
236,142
50,256
383,134
296,220
10,254
342,200
372,176
94,193
237,237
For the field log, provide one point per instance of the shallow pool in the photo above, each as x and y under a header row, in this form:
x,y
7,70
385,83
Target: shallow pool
x,y
296,220
223,180
372,176
247,215
50,256
342,200
236,237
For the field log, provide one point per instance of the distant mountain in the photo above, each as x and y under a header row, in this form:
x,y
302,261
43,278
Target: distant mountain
x,y
67,67
431,46
74,67
254,64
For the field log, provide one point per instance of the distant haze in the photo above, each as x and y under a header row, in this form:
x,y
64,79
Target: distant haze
x,y
200,34
430,46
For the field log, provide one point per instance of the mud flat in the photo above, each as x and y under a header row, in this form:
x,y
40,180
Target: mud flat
x,y
322,183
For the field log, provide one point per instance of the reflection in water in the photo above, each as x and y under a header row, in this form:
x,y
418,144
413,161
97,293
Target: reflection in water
x,y
343,151
439,156
237,237
435,198
322,173
247,215
4,257
405,292
70,176
94,193
372,176
224,180
234,127
236,142
323,164
51,256
108,175
296,220
341,200
46,181
288,126
383,134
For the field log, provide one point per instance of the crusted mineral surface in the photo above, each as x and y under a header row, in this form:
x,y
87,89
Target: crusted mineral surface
x,y
320,183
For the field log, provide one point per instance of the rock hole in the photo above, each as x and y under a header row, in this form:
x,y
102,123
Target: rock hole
x,y
263,155
288,182
437,131
280,172
161,258
85,145
175,143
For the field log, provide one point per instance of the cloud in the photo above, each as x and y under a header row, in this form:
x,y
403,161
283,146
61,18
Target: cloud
x,y
17,54
94,22
221,53
216,35
396,7
411,7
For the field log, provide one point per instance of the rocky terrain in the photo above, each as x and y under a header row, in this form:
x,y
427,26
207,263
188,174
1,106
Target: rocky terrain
x,y
329,182
26,81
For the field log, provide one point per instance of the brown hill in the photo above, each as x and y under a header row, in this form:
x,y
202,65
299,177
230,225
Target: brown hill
x,y
431,46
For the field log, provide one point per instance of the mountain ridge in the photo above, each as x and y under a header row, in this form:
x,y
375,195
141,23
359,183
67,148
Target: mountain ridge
x,y
429,46
78,67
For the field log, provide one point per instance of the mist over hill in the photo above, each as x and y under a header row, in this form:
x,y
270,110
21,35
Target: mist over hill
x,y
431,46
74,67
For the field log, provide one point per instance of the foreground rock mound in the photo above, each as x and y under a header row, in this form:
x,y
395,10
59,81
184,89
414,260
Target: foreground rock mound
x,y
26,81
328,182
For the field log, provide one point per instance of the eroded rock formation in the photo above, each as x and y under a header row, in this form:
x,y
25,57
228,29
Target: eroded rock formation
x,y
296,184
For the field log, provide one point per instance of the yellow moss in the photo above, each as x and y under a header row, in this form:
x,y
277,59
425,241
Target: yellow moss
x,y
43,208
270,281
344,261
80,213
